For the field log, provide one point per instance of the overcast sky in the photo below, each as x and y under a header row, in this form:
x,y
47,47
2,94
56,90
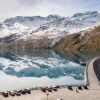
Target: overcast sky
x,y
11,8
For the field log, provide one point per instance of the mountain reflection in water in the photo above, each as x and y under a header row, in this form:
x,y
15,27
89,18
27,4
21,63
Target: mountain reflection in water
x,y
39,63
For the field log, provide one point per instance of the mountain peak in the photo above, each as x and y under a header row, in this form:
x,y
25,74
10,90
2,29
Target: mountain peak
x,y
91,12
83,20
54,16
86,13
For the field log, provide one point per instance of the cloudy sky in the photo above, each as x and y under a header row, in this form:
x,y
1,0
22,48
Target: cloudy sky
x,y
11,8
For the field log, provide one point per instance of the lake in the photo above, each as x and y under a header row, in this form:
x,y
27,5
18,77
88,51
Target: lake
x,y
38,67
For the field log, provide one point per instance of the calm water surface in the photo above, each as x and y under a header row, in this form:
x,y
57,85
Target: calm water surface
x,y
40,68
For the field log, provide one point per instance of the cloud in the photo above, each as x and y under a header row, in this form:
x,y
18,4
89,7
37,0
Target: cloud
x,y
11,8
30,2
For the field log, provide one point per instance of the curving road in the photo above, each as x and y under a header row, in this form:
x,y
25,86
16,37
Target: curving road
x,y
92,78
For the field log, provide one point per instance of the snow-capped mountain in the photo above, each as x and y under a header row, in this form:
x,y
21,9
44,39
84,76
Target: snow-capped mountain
x,y
52,27
55,21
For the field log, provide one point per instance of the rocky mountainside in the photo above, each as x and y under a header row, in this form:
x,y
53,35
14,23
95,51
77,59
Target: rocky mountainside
x,y
88,40
77,20
43,32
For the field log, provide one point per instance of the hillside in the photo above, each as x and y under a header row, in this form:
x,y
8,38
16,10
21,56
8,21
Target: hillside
x,y
88,40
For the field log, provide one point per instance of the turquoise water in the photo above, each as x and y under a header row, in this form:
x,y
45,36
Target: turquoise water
x,y
39,68
47,64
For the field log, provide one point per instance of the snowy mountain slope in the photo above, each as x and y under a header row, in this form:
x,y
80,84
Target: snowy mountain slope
x,y
77,20
52,27
35,21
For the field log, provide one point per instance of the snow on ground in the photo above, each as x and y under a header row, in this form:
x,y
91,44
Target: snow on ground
x,y
14,83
